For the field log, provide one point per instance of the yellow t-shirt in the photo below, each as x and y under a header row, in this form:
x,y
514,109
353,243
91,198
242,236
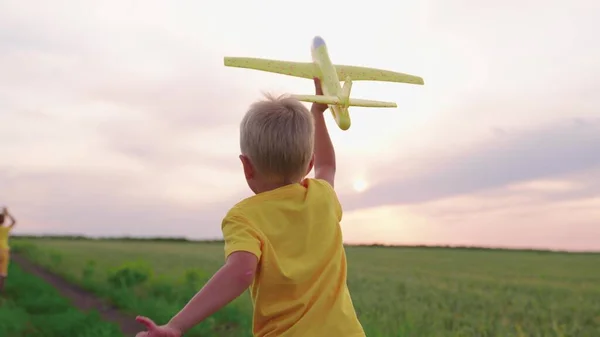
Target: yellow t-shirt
x,y
300,287
4,232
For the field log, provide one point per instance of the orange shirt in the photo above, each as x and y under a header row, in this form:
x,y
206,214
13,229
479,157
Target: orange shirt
x,y
300,288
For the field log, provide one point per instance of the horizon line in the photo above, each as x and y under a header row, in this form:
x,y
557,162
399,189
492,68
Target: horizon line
x,y
365,244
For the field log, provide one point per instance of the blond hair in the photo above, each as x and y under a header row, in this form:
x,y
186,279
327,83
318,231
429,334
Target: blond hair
x,y
277,135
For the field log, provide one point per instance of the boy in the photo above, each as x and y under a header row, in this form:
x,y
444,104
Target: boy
x,y
4,248
285,242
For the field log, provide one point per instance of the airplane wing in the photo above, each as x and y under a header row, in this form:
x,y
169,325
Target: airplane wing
x,y
352,101
371,104
298,69
372,74
317,99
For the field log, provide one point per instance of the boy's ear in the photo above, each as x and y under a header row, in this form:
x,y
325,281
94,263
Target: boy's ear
x,y
311,164
248,169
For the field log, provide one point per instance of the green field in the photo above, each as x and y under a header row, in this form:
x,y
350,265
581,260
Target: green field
x,y
31,307
397,291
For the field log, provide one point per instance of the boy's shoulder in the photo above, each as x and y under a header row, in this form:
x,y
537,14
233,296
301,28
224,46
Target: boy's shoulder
x,y
241,210
327,191
311,187
320,183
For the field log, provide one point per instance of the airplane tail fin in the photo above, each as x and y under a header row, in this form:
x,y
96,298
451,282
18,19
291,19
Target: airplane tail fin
x,y
351,102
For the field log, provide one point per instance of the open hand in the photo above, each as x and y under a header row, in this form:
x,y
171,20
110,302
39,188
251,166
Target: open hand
x,y
318,107
155,330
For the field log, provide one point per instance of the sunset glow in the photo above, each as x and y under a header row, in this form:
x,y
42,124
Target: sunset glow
x,y
123,120
359,185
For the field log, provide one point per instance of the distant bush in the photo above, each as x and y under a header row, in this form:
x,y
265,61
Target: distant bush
x,y
56,259
88,272
195,277
163,287
130,274
23,247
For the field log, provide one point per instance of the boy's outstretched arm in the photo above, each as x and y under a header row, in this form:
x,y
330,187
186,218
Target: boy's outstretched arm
x,y
324,152
226,285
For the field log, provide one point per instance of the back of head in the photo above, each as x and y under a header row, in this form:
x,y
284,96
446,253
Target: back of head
x,y
277,135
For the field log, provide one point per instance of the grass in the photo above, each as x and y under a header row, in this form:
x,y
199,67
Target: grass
x,y
31,307
396,291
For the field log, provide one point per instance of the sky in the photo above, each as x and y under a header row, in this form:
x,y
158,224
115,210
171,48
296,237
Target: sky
x,y
119,117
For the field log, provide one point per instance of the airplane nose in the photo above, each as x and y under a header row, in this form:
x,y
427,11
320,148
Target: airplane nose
x,y
317,42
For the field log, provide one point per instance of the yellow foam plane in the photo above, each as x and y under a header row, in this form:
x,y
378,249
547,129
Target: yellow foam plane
x,y
337,97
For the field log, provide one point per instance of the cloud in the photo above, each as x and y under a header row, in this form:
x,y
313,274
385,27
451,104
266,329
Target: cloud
x,y
120,119
106,203
193,100
496,218
150,141
114,129
515,157
554,164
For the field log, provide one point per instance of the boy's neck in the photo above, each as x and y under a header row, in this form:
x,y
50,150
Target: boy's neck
x,y
269,186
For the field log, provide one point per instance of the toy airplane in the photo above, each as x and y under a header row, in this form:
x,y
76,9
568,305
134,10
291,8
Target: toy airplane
x,y
334,95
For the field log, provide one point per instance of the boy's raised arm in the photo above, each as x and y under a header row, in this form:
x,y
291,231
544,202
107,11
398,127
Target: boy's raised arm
x,y
13,222
7,214
324,152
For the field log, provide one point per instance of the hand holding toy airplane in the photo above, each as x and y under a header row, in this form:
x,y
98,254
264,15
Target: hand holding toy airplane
x,y
334,95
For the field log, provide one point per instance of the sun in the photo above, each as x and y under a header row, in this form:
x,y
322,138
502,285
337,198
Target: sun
x,y
359,185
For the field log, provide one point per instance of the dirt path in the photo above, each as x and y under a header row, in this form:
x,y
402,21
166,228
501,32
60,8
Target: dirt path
x,y
81,298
